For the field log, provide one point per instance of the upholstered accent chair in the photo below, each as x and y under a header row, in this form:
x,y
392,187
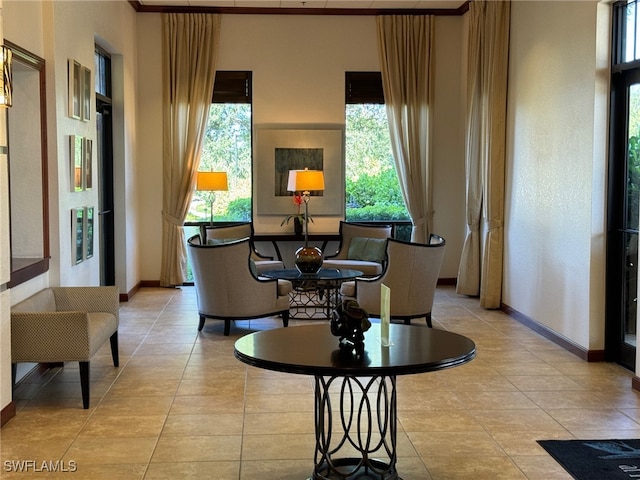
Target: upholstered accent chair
x,y
65,324
225,233
362,247
412,275
227,288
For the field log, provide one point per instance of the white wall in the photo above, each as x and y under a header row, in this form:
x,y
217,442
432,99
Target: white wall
x,y
556,166
58,31
298,65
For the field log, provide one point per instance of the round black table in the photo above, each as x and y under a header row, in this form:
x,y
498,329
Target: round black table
x,y
325,283
366,386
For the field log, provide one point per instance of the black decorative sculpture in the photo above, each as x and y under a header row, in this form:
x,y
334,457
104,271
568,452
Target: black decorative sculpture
x,y
349,322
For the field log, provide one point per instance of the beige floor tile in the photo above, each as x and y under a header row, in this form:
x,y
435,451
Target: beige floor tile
x,y
108,451
278,423
521,443
204,424
495,421
182,406
278,447
533,383
276,470
565,399
218,402
116,404
290,402
193,471
541,467
438,421
466,467
495,400
592,419
211,448
123,426
145,387
473,444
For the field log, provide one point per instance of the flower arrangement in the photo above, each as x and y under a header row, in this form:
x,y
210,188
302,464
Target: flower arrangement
x,y
298,201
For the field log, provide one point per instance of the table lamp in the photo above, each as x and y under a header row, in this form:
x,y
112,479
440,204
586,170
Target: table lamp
x,y
211,182
308,259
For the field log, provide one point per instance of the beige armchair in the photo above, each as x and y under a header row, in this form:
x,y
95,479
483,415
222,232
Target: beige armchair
x,y
227,289
221,234
412,275
357,252
65,324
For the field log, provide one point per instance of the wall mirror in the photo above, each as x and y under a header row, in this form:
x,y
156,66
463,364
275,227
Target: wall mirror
x,y
28,182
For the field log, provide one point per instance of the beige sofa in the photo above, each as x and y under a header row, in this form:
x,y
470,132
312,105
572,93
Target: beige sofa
x,y
65,324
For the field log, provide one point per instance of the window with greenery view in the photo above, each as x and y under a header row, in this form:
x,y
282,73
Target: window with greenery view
x,y
372,188
227,148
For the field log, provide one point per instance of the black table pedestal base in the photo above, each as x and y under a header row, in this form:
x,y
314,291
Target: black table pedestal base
x,y
365,424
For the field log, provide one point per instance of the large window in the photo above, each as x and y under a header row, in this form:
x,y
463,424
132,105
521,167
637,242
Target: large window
x,y
372,188
227,148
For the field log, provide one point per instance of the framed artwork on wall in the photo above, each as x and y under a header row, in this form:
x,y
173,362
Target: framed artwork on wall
x,y
77,235
75,88
76,163
88,232
87,155
280,148
86,94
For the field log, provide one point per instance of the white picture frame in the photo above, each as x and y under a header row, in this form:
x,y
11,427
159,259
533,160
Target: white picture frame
x,y
75,88
76,162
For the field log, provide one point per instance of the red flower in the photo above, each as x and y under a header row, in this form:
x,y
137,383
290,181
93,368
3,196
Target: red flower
x,y
297,201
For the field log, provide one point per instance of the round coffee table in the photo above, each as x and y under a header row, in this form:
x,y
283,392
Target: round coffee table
x,y
366,419
325,283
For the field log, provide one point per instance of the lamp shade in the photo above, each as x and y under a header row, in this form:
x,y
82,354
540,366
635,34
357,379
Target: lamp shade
x,y
305,180
210,181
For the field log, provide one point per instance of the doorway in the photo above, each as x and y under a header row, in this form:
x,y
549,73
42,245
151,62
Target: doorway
x,y
624,217
104,136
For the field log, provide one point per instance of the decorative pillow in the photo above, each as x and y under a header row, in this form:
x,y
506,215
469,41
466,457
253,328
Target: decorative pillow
x,y
367,249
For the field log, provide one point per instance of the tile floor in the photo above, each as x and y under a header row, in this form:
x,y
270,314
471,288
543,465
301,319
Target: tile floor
x,y
181,407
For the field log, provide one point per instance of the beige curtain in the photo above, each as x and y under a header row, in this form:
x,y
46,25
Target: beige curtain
x,y
405,50
189,54
480,271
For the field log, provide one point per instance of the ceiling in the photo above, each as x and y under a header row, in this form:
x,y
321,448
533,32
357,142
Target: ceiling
x,y
362,5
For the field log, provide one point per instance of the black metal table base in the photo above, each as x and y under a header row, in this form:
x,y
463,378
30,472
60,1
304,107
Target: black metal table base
x,y
308,300
357,440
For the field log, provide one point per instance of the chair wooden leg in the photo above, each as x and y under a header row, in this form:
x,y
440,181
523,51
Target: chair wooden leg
x,y
84,383
227,327
428,318
114,349
201,324
285,318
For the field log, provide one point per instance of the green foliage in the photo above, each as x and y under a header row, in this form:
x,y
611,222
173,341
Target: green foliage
x,y
239,210
373,191
226,147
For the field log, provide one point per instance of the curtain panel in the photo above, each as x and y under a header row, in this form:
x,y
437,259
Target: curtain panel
x,y
405,44
189,54
480,272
